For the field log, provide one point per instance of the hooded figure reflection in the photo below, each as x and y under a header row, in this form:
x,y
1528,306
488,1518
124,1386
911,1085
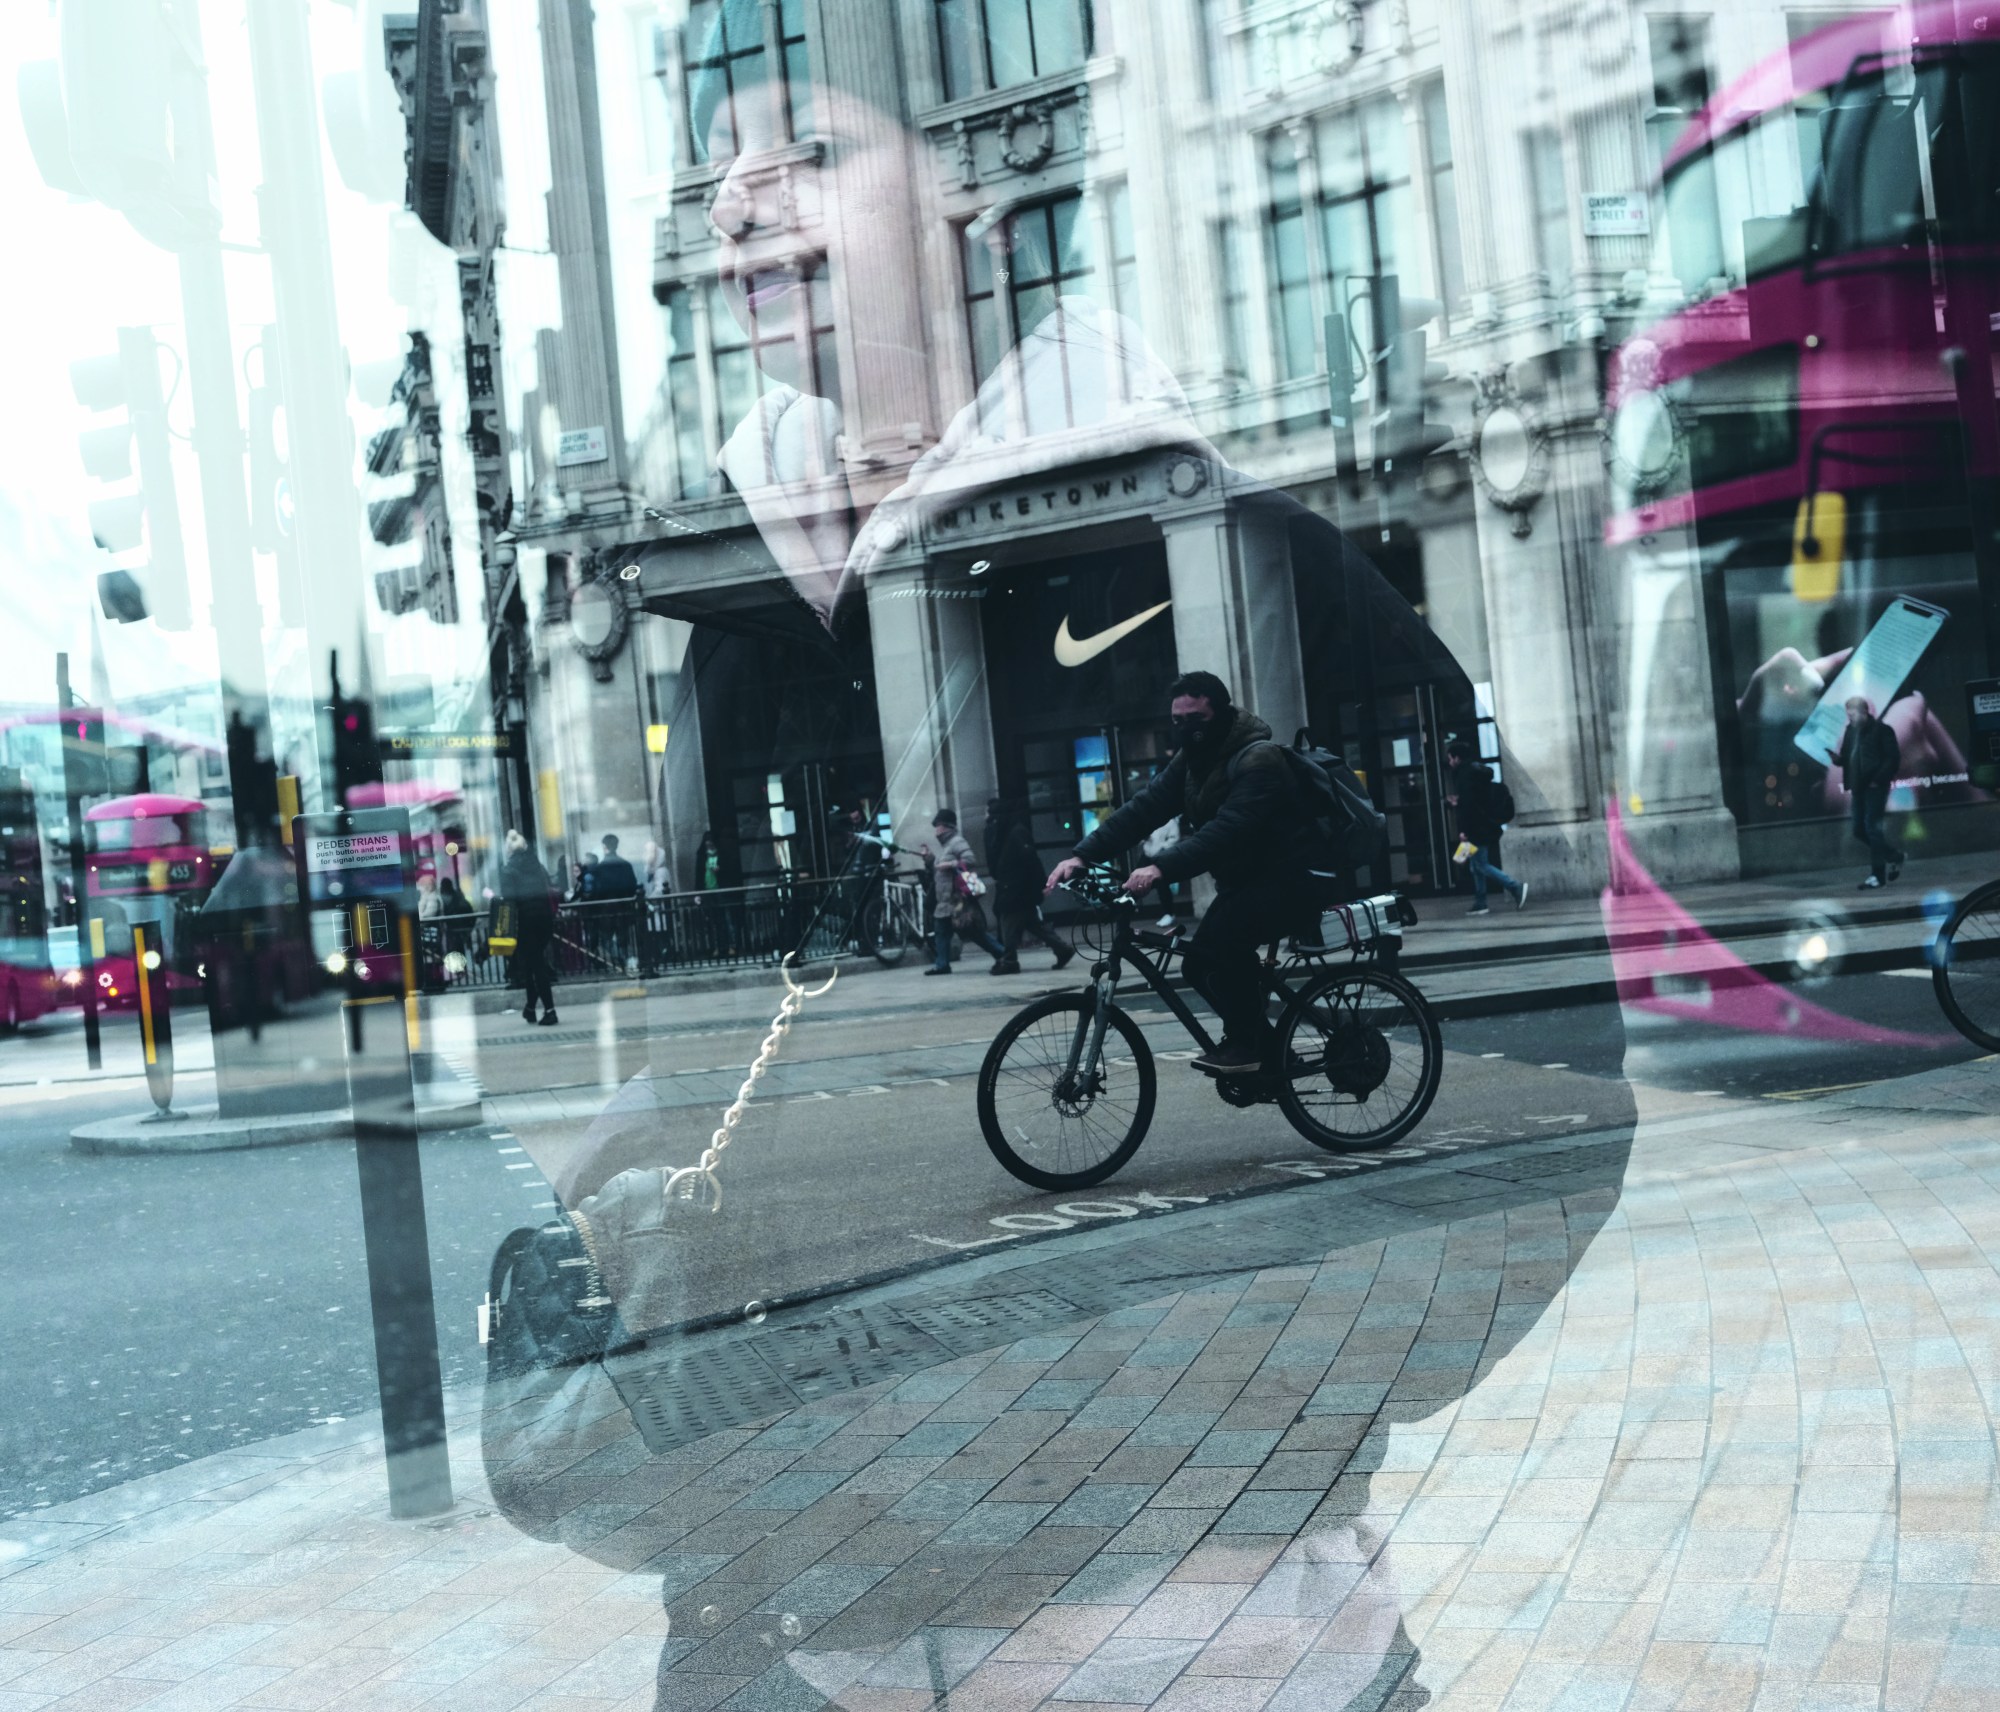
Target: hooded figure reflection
x,y
568,1457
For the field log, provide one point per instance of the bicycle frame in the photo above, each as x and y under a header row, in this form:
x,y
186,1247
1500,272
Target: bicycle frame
x,y
1105,972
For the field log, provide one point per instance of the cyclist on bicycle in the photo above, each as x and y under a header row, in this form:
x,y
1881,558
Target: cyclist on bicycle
x,y
1244,822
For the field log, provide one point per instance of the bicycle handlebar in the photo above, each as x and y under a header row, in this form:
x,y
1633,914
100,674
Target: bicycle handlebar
x,y
1101,885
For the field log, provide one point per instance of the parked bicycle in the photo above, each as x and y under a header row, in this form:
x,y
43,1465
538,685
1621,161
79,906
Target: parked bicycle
x,y
1353,1063
1965,966
892,919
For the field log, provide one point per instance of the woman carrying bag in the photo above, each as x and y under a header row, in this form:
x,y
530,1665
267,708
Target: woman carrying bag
x,y
959,889
525,893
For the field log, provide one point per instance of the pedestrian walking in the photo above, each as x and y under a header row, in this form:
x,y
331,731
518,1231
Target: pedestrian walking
x,y
1484,808
1019,880
958,893
1870,757
528,892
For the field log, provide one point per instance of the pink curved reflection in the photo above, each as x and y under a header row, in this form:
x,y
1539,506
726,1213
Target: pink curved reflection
x,y
1668,963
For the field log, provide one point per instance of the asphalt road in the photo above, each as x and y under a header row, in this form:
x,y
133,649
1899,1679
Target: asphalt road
x,y
165,1308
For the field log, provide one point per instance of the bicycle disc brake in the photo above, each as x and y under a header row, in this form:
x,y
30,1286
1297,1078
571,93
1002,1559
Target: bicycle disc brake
x,y
1357,1058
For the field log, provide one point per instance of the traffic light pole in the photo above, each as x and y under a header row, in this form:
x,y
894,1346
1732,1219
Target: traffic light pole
x,y
79,869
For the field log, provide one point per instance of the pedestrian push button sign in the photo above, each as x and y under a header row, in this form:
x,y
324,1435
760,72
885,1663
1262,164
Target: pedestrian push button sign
x,y
348,857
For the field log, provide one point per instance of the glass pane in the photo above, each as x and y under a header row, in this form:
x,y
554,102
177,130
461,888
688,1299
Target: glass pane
x,y
1075,236
1343,169
959,47
798,88
1655,623
978,261
987,336
1030,246
1010,46
1032,306
1058,29
1387,141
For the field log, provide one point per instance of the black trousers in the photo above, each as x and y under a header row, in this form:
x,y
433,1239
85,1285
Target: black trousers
x,y
1222,959
1871,826
1027,920
531,963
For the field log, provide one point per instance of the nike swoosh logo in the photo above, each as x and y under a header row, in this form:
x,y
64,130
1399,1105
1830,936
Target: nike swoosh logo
x,y
1080,651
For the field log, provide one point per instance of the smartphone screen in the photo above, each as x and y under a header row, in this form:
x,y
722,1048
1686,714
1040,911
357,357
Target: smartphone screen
x,y
1876,669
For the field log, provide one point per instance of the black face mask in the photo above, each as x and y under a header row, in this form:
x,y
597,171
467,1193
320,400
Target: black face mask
x,y
1191,732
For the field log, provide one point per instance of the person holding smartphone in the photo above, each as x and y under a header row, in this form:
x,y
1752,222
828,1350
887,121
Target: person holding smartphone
x,y
1869,758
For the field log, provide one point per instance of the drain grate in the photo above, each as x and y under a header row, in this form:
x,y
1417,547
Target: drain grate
x,y
681,1389
967,1327
846,1350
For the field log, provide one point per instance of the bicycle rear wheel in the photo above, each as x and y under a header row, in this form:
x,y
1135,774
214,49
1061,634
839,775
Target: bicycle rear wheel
x,y
1965,967
1364,1057
1052,1130
883,932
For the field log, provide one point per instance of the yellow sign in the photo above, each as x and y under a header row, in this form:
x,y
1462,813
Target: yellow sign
x,y
288,804
1819,543
656,739
549,794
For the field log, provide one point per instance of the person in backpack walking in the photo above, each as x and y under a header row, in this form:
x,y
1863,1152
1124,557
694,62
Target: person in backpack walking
x,y
1246,824
1869,759
958,891
1484,808
1018,880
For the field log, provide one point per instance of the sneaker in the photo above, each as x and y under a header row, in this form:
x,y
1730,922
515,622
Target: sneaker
x,y
1873,883
1521,897
1005,966
527,1013
1479,909
548,1019
1064,956
935,970
1895,867
1229,1059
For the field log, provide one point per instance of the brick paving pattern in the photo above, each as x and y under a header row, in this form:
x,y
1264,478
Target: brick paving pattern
x,y
1722,1437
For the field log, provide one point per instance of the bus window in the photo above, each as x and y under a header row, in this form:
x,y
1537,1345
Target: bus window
x,y
1871,182
1743,415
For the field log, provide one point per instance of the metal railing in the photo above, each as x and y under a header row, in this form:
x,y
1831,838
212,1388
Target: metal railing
x,y
624,938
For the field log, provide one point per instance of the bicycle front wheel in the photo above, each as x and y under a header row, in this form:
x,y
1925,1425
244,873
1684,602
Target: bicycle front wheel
x,y
1965,967
883,932
1364,1060
1054,1129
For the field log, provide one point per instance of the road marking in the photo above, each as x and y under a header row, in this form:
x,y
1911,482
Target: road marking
x,y
1557,1065
1493,1055
1829,1088
525,1167
510,1150
942,1242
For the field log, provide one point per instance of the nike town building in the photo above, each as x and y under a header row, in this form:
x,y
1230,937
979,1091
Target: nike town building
x,y
875,404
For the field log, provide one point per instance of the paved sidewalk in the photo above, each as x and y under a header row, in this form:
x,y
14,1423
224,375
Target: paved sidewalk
x,y
1532,1427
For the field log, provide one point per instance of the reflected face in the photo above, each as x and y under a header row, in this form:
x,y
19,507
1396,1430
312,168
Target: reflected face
x,y
778,214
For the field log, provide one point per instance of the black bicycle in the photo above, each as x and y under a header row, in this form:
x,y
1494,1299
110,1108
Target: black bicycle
x,y
1067,1089
1965,966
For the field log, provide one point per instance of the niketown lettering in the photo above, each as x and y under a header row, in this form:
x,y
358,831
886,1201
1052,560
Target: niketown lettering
x,y
1042,500
1077,651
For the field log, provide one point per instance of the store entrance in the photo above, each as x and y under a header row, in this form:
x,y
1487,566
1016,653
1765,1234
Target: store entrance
x,y
1383,693
1079,654
789,737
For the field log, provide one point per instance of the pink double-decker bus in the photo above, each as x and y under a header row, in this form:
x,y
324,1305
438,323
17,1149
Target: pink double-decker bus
x,y
1804,449
1804,433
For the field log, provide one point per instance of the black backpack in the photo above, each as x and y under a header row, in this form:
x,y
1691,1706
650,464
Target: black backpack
x,y
1345,828
1501,801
